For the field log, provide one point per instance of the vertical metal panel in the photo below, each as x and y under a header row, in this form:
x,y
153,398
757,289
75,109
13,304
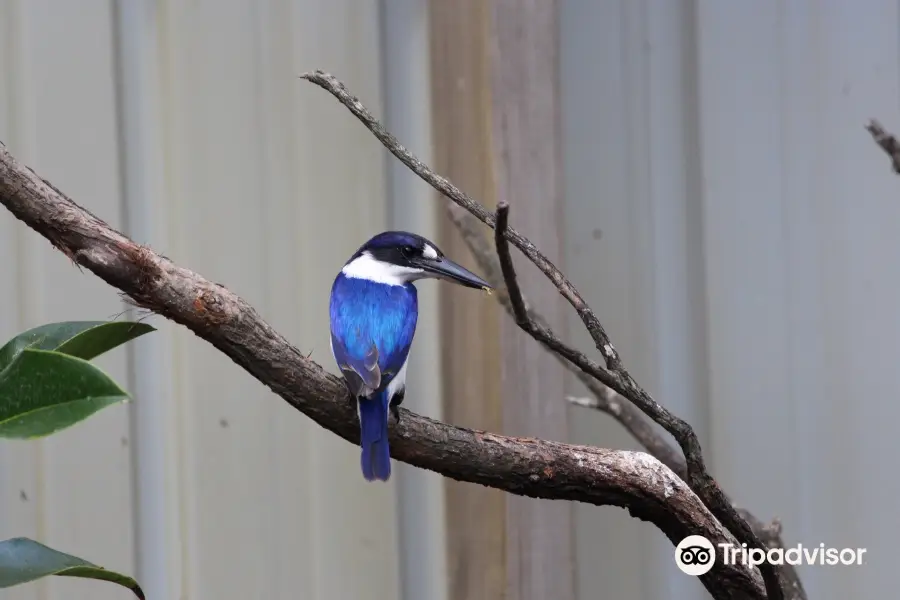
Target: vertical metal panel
x,y
273,186
156,434
407,102
61,119
525,130
801,239
730,139
20,472
745,238
476,520
668,235
631,248
344,183
217,230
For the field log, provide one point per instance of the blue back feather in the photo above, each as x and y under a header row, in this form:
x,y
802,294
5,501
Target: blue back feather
x,y
364,313
372,329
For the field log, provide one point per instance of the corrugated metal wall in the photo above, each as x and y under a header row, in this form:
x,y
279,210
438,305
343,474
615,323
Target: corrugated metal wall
x,y
726,214
73,490
207,486
737,230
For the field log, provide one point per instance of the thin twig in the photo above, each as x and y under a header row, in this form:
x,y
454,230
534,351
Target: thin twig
x,y
886,141
331,84
506,265
615,375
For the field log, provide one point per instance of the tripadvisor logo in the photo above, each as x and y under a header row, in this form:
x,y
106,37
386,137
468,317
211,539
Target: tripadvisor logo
x,y
695,555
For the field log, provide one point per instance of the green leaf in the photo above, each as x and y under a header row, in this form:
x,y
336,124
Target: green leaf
x,y
23,560
84,339
45,382
42,392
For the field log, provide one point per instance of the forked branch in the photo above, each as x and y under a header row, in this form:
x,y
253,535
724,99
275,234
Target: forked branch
x,y
615,375
602,398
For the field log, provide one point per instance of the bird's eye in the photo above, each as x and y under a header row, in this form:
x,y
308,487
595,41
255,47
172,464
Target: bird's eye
x,y
407,251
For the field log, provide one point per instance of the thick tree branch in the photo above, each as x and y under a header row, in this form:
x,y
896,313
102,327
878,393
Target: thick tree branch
x,y
524,466
615,375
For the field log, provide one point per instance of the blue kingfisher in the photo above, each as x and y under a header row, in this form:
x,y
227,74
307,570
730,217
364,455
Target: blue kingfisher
x,y
373,312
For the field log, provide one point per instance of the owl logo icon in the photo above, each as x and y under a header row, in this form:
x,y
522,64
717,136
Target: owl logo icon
x,y
695,555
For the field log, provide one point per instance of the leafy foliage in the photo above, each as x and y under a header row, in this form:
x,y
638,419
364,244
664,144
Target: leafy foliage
x,y
23,560
46,385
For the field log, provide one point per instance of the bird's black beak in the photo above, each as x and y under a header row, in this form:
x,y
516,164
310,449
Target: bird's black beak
x,y
444,268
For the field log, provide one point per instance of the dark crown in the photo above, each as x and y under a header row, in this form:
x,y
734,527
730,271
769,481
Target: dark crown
x,y
396,247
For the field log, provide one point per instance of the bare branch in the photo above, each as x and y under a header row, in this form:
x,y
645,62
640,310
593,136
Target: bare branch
x,y
605,400
616,377
506,265
886,141
331,84
523,466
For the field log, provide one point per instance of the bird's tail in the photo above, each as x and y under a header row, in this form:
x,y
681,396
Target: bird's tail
x,y
373,422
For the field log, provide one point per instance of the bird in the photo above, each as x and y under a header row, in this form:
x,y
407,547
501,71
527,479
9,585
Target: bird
x,y
373,311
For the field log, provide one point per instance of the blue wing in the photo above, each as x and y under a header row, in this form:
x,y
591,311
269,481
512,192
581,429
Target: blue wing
x,y
372,328
363,376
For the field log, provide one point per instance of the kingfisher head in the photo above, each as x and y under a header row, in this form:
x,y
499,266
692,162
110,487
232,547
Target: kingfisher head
x,y
399,257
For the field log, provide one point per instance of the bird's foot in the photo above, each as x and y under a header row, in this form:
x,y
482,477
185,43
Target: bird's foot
x,y
396,401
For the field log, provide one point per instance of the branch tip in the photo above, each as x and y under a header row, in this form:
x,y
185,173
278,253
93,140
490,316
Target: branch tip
x,y
886,141
520,311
